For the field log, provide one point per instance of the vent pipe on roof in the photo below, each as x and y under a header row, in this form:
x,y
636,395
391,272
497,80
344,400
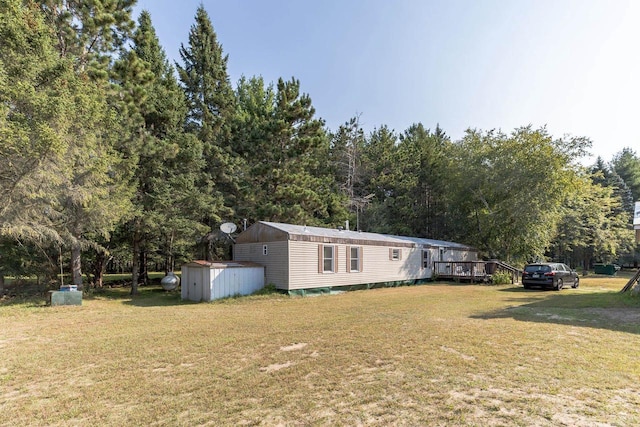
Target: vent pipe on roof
x,y
346,225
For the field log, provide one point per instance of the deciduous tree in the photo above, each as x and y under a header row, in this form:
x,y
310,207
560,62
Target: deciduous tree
x,y
510,189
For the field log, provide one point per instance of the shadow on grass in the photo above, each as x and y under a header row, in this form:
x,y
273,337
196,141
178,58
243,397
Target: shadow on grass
x,y
148,296
29,301
156,296
604,310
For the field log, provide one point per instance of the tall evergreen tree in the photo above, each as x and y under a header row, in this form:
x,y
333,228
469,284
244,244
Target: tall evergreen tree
x,y
34,107
346,162
286,150
292,174
627,165
167,201
255,106
593,227
379,165
96,193
210,105
422,180
83,192
607,176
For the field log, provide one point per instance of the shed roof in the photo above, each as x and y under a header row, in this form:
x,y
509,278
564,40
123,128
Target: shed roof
x,y
222,264
280,231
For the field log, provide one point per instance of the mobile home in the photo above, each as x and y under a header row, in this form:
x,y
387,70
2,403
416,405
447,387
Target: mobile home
x,y
298,257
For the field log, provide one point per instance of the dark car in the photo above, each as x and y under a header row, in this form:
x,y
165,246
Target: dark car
x,y
554,275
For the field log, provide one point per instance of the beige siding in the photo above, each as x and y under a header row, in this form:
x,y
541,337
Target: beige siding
x,y
376,266
275,262
294,264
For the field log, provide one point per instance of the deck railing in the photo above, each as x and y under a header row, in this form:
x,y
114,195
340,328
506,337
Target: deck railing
x,y
473,271
470,270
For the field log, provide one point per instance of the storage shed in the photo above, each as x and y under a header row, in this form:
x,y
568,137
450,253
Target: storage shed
x,y
208,281
299,257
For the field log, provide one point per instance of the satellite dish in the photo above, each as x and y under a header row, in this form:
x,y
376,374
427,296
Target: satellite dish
x,y
228,227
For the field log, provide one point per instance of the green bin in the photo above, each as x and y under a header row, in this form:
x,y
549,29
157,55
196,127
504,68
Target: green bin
x,y
607,269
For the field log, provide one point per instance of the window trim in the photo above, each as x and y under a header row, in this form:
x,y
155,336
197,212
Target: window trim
x,y
350,259
426,259
321,259
393,252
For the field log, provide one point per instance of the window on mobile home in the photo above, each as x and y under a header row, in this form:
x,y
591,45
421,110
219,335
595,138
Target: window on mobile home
x,y
355,259
328,258
426,259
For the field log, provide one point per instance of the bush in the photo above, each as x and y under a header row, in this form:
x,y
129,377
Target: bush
x,y
501,278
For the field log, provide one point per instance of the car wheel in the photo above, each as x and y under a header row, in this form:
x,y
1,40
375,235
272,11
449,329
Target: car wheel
x,y
559,284
576,283
526,286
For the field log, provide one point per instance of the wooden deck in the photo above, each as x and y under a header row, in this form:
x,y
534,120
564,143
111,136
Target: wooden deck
x,y
473,271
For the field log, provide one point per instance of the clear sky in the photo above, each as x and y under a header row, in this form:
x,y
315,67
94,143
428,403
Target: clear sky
x,y
570,65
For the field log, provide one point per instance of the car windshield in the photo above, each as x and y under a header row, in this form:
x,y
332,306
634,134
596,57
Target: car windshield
x,y
537,268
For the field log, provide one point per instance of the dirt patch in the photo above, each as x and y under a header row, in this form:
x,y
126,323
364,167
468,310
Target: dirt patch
x,y
276,367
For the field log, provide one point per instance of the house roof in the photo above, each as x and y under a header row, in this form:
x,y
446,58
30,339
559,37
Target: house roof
x,y
330,235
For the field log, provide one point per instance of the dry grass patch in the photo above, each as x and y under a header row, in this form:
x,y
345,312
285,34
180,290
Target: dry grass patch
x,y
425,355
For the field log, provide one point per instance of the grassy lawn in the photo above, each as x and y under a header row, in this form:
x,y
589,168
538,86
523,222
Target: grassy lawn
x,y
437,354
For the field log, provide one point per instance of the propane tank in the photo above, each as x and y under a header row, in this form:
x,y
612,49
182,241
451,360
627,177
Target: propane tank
x,y
170,281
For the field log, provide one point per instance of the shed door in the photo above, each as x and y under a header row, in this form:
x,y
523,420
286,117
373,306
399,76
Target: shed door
x,y
197,285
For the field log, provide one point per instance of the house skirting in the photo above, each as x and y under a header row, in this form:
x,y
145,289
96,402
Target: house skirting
x,y
328,290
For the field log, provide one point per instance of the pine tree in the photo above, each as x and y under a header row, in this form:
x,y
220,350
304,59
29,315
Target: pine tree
x,y
33,110
167,200
627,165
296,183
89,31
71,131
255,105
379,153
346,162
607,176
285,149
420,180
210,104
34,104
95,195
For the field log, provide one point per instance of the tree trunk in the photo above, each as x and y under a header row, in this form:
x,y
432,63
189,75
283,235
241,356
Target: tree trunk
x,y
76,264
99,268
135,267
169,255
1,284
144,268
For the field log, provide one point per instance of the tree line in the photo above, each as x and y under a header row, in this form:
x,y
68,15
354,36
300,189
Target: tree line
x,y
115,156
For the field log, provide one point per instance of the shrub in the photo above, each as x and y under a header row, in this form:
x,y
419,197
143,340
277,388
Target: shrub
x,y
501,278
